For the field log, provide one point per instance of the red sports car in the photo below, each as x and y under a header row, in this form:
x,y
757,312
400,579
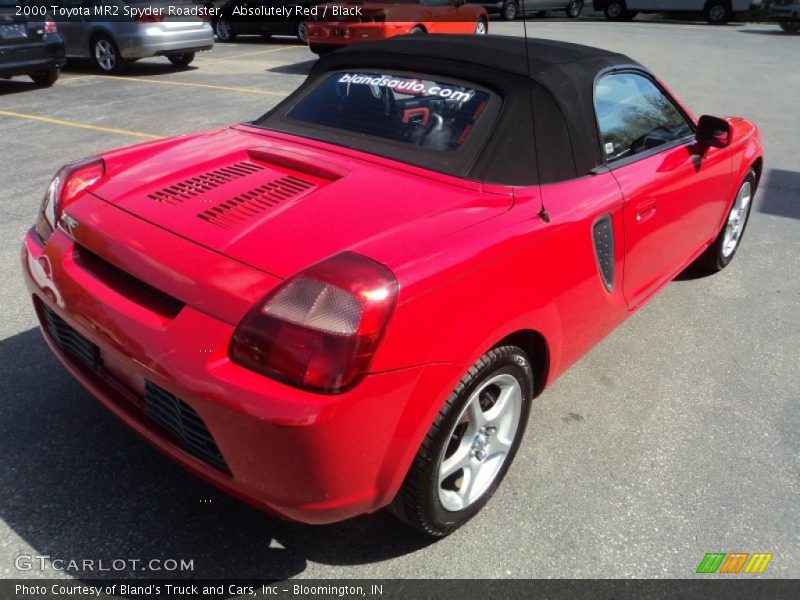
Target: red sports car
x,y
351,302
344,23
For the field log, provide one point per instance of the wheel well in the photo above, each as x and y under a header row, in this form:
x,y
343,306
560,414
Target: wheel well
x,y
725,2
758,166
419,26
535,347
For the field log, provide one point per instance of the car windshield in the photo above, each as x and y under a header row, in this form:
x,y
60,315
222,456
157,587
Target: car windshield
x,y
410,110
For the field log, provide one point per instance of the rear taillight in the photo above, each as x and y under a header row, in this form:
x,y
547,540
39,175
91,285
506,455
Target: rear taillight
x,y
319,330
50,27
71,181
149,18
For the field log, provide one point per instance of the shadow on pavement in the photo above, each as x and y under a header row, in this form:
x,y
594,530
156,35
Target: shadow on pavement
x,y
300,68
780,194
75,483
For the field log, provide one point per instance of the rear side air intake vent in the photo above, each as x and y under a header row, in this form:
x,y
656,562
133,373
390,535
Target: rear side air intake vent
x,y
603,234
200,184
245,206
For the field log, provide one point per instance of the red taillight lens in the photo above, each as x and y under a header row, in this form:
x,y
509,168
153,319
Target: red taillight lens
x,y
69,184
319,330
149,18
50,27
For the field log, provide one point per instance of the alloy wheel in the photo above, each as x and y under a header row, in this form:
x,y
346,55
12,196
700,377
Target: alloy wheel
x,y
480,28
737,219
105,54
479,442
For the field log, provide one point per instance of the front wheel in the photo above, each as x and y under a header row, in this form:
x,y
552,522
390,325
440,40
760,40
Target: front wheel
x,y
470,445
510,10
721,252
574,9
224,31
790,26
615,11
718,12
47,77
481,28
184,59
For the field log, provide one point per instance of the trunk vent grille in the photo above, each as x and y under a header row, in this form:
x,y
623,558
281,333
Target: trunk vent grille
x,y
200,184
243,207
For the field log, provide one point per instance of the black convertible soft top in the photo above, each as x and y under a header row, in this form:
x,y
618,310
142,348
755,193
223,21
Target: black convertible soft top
x,y
550,91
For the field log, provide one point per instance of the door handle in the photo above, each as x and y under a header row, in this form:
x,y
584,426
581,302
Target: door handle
x,y
645,210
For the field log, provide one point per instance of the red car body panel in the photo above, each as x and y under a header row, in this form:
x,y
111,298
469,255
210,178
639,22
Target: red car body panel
x,y
398,19
456,247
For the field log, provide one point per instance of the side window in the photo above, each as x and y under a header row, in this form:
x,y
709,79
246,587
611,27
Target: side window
x,y
635,116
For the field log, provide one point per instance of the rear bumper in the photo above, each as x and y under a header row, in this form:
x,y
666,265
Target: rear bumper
x,y
346,33
302,456
148,40
27,58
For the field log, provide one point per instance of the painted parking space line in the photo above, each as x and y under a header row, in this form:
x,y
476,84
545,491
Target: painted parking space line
x,y
248,54
76,77
227,88
51,121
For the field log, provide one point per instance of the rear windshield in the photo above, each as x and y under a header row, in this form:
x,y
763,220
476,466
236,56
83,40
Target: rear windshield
x,y
410,110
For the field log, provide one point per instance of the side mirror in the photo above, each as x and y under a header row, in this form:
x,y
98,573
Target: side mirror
x,y
713,131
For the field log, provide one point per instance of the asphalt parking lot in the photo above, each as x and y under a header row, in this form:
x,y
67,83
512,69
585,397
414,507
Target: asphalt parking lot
x,y
676,436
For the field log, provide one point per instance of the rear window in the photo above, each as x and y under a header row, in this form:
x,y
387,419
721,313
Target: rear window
x,y
412,111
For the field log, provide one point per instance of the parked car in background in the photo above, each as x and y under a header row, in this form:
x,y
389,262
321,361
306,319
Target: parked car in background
x,y
29,45
511,9
113,45
787,14
242,17
715,11
382,20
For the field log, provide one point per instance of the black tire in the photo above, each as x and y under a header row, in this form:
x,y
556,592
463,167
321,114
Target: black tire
x,y
790,26
630,15
105,53
481,27
716,258
224,31
718,12
510,10
47,77
417,30
301,32
418,502
184,59
574,9
615,11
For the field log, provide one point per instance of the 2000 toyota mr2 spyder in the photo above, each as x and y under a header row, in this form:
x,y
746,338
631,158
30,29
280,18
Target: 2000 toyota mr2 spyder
x,y
351,302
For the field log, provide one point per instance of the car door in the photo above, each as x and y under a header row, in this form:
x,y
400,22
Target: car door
x,y
674,191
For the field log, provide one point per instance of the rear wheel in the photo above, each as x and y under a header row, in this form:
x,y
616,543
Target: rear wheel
x,y
417,30
790,26
321,49
481,28
574,9
224,31
615,11
720,253
470,445
718,12
106,55
510,10
184,59
47,77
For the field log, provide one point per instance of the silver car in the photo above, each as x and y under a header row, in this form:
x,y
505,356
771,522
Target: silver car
x,y
787,14
511,9
115,33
